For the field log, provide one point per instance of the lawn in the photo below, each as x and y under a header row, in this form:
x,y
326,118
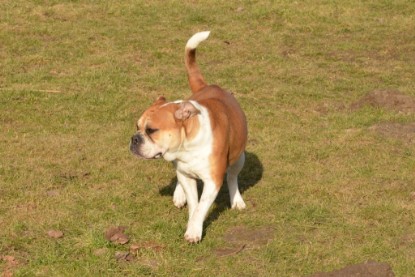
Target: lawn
x,y
329,179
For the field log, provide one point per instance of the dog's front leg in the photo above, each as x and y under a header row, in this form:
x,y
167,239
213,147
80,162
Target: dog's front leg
x,y
189,187
195,226
179,196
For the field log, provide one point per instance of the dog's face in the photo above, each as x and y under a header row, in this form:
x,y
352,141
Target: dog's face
x,y
160,128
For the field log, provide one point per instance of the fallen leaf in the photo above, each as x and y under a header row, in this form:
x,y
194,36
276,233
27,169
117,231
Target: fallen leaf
x,y
119,238
56,234
124,256
111,231
116,235
121,255
134,248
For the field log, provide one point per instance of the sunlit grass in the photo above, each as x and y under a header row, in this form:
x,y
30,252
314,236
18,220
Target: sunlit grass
x,y
75,76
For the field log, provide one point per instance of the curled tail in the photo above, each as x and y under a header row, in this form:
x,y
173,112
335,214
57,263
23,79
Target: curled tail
x,y
194,75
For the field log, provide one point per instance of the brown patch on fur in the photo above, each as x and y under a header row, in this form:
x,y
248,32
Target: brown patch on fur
x,y
194,75
228,127
161,116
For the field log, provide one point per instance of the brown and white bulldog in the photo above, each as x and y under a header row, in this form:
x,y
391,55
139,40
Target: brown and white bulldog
x,y
204,136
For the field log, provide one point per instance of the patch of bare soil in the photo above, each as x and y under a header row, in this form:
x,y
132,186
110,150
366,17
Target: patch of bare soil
x,y
11,264
399,131
367,269
241,238
252,237
389,99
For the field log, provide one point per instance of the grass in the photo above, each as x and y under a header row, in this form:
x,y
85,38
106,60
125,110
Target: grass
x,y
75,75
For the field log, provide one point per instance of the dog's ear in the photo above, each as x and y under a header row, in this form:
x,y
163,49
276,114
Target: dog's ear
x,y
186,110
160,100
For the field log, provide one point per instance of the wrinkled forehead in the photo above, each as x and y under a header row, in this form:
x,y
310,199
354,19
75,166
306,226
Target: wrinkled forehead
x,y
162,115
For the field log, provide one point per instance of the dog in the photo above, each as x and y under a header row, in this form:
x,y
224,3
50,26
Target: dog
x,y
205,138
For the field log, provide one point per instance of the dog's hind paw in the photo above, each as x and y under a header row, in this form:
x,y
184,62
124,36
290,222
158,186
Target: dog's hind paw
x,y
238,204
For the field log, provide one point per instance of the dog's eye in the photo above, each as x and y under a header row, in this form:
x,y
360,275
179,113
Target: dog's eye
x,y
150,131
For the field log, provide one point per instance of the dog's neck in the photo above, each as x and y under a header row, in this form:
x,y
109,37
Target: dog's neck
x,y
193,146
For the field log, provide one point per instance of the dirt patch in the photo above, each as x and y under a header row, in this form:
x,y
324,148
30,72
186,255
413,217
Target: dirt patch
x,y
251,237
240,238
389,99
399,131
229,250
11,264
367,269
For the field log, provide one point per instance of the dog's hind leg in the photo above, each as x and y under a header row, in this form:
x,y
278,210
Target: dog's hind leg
x,y
232,178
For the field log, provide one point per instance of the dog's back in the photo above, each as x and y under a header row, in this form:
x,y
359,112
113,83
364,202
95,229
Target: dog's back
x,y
222,104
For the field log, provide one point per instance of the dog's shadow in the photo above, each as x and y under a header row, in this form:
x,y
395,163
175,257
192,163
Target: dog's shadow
x,y
250,175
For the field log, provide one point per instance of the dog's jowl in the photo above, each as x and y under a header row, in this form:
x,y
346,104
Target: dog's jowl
x,y
204,136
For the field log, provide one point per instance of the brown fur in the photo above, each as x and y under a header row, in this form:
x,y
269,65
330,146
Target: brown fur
x,y
227,119
160,116
196,80
228,127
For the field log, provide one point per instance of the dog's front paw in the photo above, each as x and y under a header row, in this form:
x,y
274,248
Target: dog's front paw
x,y
193,235
179,197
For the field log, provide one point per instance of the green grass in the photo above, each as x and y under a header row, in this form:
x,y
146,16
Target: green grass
x,y
75,76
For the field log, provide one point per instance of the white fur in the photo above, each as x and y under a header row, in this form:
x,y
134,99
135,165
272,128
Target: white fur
x,y
232,177
197,38
192,162
149,149
179,197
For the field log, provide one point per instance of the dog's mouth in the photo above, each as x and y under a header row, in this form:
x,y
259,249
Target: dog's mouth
x,y
140,155
148,153
157,156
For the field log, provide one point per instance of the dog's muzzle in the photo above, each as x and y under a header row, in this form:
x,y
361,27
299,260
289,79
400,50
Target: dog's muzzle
x,y
135,147
136,140
135,143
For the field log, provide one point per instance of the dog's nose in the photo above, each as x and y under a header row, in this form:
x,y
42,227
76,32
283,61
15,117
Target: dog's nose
x,y
136,139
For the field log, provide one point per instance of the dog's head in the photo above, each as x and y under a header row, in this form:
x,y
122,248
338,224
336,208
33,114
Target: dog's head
x,y
162,128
